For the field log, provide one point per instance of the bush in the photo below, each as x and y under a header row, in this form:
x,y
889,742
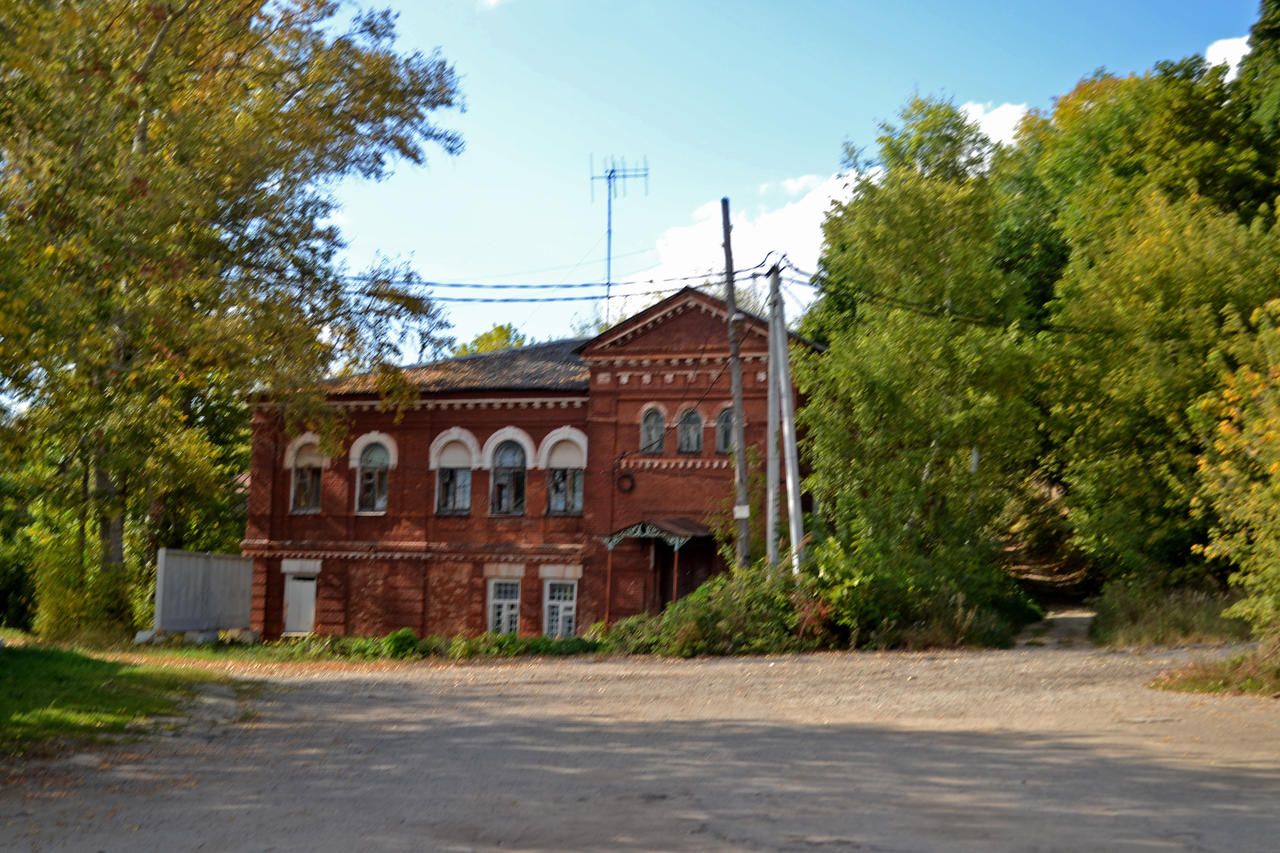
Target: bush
x,y
400,643
913,600
1144,615
746,611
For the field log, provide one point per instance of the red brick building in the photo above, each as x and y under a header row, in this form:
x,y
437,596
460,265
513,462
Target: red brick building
x,y
535,490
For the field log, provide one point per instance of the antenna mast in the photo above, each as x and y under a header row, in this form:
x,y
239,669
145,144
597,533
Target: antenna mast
x,y
615,172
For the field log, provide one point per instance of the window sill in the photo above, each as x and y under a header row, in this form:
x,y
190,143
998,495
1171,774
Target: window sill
x,y
453,513
371,513
315,511
577,514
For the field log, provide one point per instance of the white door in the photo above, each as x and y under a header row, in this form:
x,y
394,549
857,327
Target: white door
x,y
299,604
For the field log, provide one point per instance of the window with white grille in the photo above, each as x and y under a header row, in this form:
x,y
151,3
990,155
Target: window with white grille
x,y
560,608
504,606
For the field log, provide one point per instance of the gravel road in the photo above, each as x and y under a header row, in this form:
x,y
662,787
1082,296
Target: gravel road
x,y
1051,747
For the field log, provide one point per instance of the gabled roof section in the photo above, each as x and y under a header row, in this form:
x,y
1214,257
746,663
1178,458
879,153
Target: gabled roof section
x,y
551,366
678,325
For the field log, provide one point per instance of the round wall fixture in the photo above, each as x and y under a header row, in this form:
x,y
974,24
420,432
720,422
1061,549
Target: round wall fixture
x,y
626,482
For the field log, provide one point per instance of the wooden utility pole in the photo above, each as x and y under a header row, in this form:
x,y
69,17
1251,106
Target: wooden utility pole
x,y
742,508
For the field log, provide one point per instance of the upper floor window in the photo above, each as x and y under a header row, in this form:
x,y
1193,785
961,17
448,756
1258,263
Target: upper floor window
x,y
371,479
507,491
653,431
724,431
453,491
564,491
453,459
689,432
307,466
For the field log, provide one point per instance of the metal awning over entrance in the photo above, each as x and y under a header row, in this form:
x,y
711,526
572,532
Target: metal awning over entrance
x,y
674,531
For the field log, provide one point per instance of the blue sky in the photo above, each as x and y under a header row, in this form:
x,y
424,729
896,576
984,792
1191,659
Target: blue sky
x,y
753,101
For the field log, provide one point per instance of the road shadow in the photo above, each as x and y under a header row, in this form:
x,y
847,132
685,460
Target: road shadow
x,y
388,766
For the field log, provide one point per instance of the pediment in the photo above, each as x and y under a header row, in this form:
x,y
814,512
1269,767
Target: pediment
x,y
689,324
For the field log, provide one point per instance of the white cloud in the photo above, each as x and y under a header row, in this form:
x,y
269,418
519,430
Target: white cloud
x,y
794,186
999,123
793,229
1228,52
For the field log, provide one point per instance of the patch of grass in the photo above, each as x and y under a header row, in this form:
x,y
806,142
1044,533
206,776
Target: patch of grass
x,y
1256,672
49,695
401,644
1136,616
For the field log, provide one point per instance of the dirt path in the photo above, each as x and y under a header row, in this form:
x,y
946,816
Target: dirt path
x,y
1048,747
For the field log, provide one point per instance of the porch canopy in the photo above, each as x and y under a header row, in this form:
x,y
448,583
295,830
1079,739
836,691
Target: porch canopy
x,y
673,531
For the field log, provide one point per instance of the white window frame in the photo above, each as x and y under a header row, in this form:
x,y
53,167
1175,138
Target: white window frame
x,y
503,613
554,611
510,481
379,480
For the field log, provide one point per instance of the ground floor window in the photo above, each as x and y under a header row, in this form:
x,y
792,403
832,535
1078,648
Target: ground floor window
x,y
504,606
560,606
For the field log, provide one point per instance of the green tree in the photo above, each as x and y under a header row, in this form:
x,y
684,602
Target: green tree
x,y
166,172
1239,471
918,424
501,336
1259,79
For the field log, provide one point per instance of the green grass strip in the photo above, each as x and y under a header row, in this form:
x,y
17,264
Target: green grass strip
x,y
48,695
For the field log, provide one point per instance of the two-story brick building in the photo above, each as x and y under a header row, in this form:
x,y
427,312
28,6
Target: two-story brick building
x,y
536,489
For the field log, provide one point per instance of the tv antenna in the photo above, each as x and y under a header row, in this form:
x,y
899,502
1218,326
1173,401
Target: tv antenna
x,y
615,173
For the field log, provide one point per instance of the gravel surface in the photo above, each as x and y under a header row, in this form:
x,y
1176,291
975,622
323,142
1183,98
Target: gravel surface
x,y
1051,746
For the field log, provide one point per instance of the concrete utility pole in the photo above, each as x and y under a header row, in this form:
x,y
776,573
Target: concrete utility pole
x,y
742,507
771,462
780,384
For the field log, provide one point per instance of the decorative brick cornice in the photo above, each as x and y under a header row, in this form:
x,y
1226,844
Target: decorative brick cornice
x,y
692,464
431,551
470,404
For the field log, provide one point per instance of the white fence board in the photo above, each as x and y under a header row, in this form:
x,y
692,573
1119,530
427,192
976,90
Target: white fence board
x,y
202,592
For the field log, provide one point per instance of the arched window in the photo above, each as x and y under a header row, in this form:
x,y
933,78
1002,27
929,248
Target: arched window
x,y
689,432
565,464
507,491
453,479
307,466
371,478
653,431
724,431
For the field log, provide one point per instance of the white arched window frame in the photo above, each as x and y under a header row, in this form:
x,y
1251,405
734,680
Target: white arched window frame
x,y
450,436
564,454
509,433
453,454
372,479
507,481
573,436
653,429
306,464
689,431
